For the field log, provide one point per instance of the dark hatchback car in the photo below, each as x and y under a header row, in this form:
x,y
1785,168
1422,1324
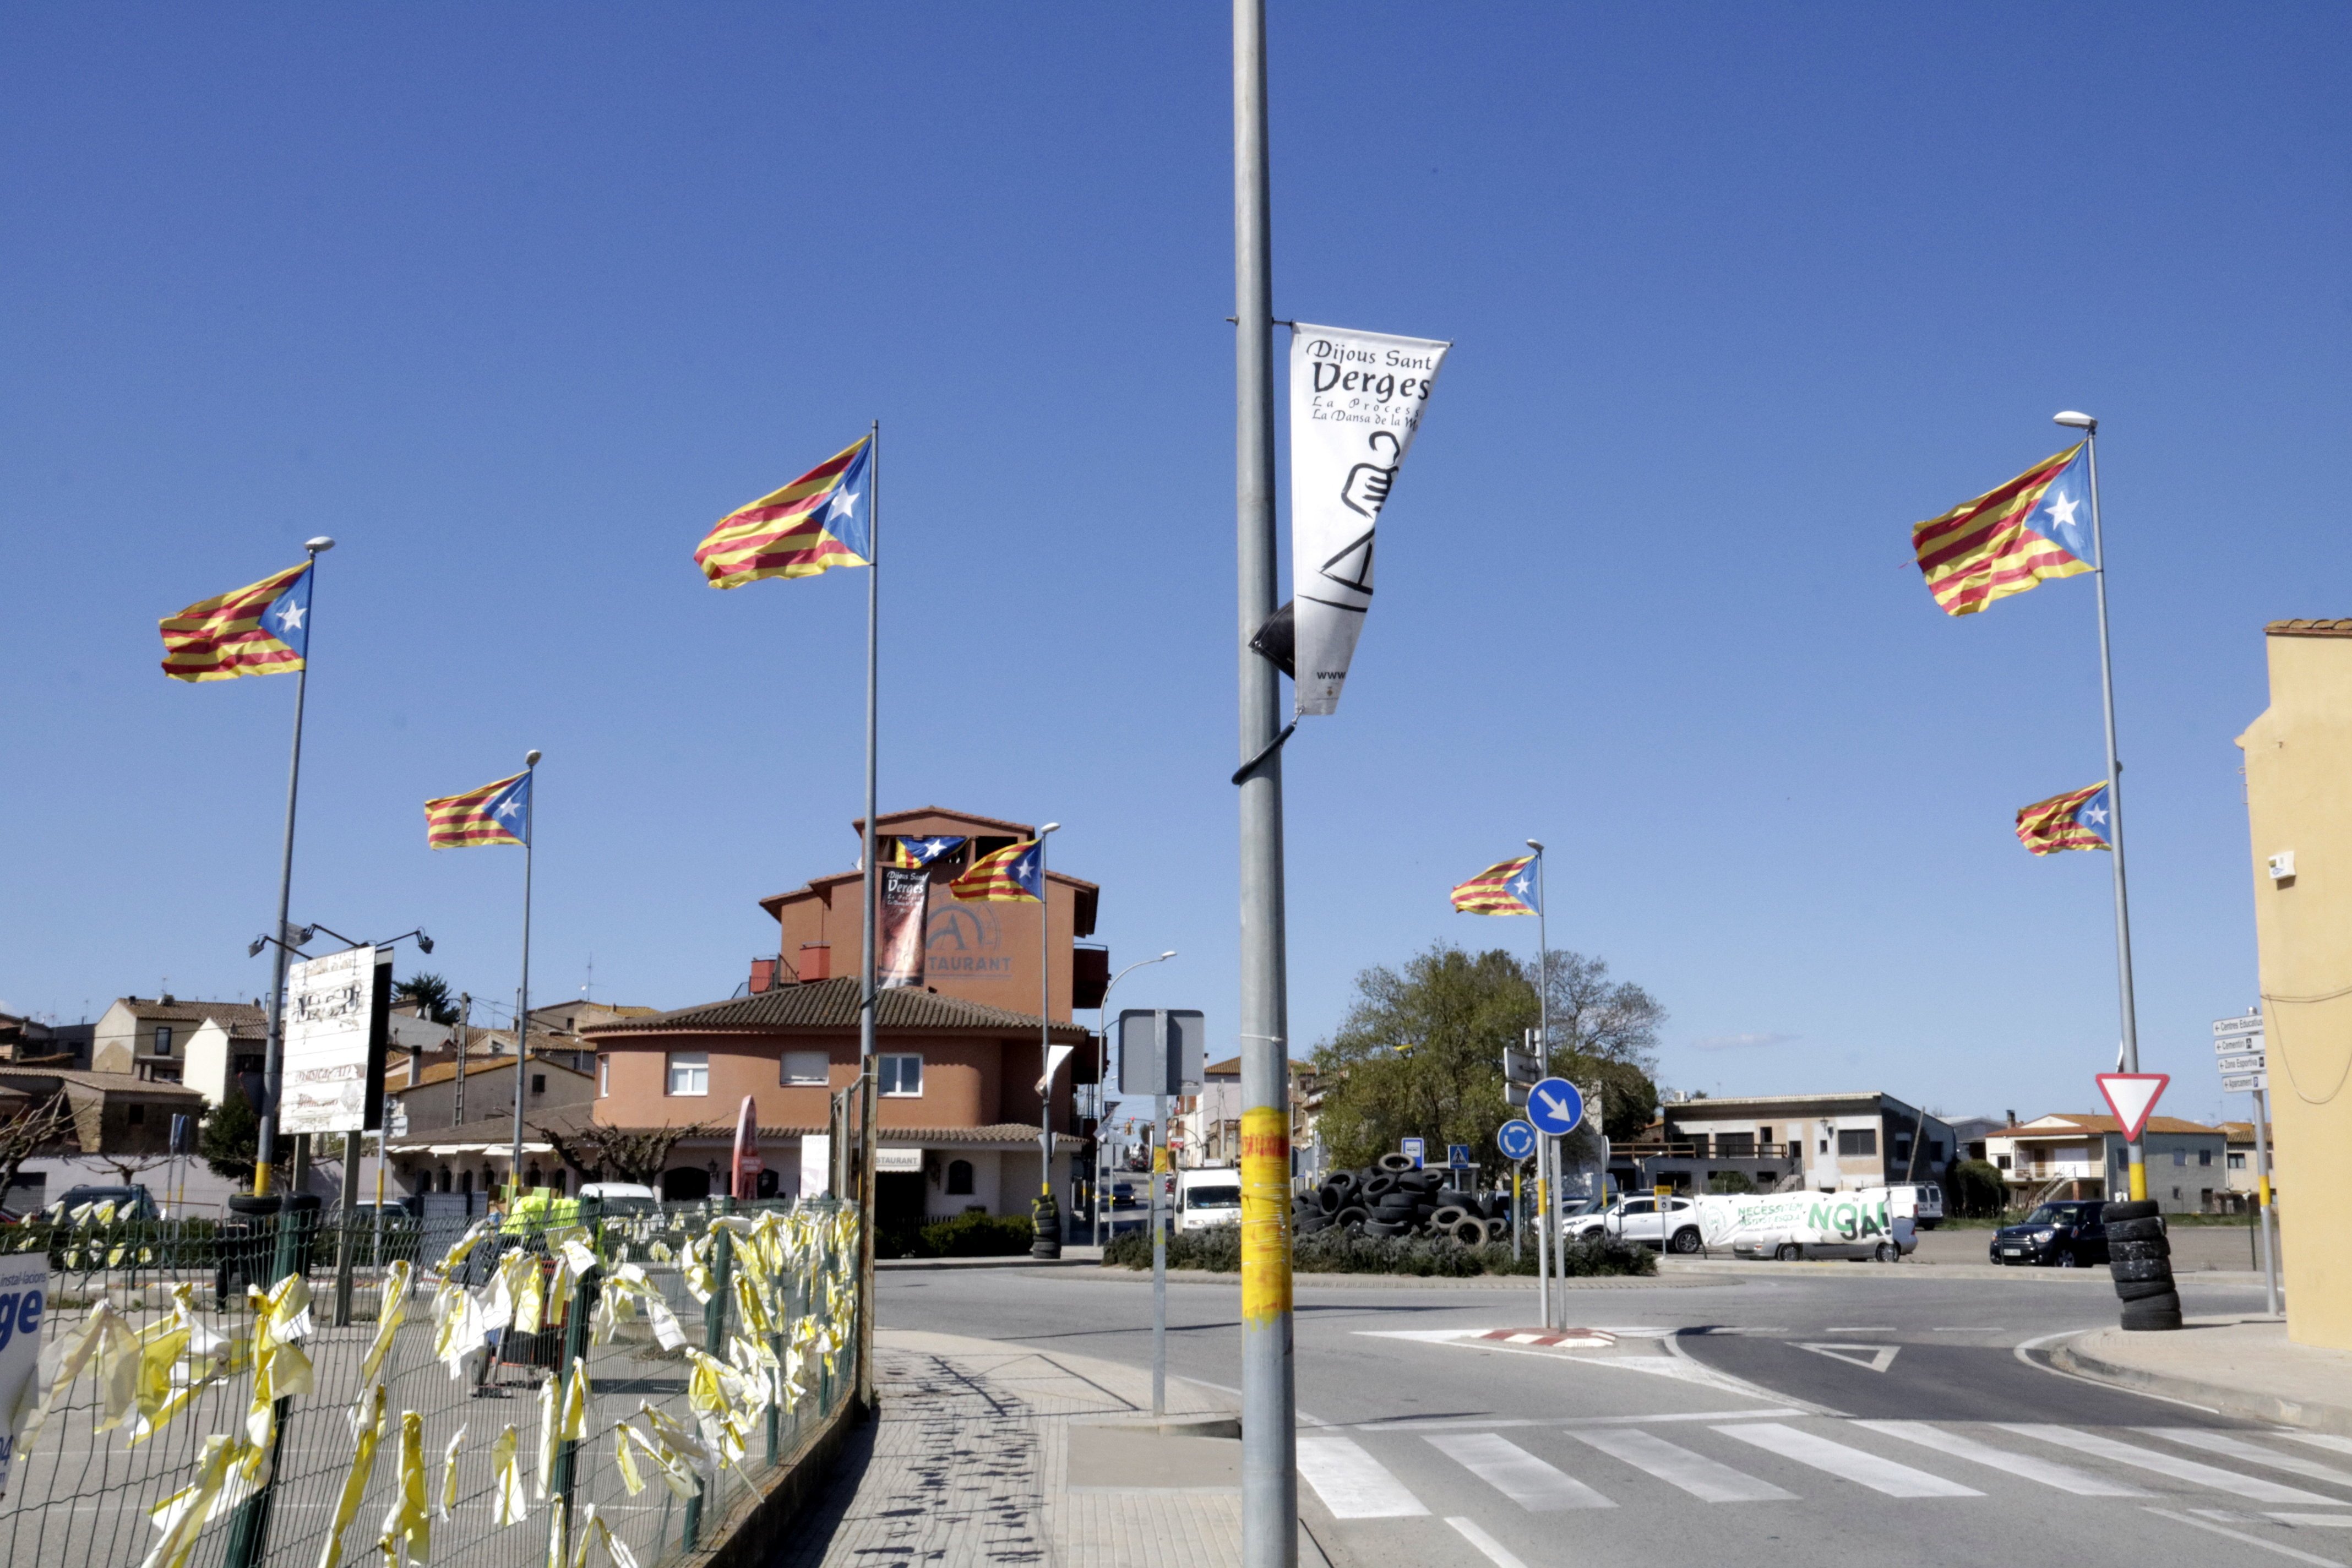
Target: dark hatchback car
x,y
2069,1235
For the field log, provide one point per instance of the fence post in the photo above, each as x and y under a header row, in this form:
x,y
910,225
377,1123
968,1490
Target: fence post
x,y
714,1342
575,1346
294,1219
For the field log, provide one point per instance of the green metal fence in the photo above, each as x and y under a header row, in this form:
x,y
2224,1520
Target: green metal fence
x,y
716,1334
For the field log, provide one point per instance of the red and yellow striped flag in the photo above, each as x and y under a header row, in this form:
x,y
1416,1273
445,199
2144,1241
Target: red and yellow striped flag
x,y
255,630
1506,888
1011,876
2075,820
494,814
2034,528
820,521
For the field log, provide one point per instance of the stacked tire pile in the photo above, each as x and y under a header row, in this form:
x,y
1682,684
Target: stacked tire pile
x,y
1392,1199
2139,1258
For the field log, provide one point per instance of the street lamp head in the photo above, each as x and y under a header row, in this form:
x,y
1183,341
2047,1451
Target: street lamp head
x,y
2075,421
530,759
1049,827
1165,956
423,942
253,949
319,545
1536,845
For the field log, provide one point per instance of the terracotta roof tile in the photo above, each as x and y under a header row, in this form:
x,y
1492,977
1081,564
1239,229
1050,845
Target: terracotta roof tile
x,y
833,1005
2336,628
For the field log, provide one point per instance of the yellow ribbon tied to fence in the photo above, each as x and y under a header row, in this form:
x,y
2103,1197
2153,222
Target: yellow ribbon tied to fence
x,y
449,1472
550,1422
107,1340
370,1432
222,1471
281,1320
555,1534
392,1312
408,1525
463,1245
508,1503
595,1533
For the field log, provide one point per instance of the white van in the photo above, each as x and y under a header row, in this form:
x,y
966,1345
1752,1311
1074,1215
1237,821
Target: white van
x,y
1207,1195
1874,1223
1926,1202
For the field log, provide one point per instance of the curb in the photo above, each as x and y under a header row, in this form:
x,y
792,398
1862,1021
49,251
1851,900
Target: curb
x,y
2068,1357
1515,1282
1013,1261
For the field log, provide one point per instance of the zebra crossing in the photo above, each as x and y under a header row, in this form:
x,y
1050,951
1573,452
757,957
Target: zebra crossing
x,y
1361,1473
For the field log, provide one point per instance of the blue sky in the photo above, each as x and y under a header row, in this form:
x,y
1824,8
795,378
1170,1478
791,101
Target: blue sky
x,y
515,302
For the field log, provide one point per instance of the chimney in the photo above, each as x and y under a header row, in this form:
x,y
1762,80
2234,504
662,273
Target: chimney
x,y
816,961
763,975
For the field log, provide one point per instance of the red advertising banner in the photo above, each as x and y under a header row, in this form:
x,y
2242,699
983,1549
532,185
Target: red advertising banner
x,y
906,903
748,1163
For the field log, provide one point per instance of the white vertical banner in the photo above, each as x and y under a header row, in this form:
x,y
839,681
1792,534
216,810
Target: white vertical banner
x,y
1356,399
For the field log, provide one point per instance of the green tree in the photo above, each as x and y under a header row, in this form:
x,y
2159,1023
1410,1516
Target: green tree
x,y
1420,1053
430,994
1974,1190
228,1140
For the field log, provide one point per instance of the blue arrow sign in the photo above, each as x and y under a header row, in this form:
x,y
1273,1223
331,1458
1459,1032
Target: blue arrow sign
x,y
1554,1107
1515,1139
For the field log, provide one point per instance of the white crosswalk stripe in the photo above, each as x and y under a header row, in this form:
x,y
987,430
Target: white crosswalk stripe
x,y
1880,1475
2178,1468
2221,1443
1351,1483
1517,1474
2047,1472
1678,1467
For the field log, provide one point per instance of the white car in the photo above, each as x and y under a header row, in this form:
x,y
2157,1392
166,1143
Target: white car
x,y
1207,1195
1638,1220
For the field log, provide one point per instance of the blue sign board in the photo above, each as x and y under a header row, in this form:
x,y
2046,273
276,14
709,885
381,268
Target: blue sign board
x,y
1515,1139
1457,1156
1413,1149
1554,1107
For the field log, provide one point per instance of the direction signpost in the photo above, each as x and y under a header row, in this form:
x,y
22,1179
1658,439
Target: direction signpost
x,y
2241,1053
1554,1106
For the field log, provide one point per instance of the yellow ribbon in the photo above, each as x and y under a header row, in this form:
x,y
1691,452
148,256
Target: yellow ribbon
x,y
551,1426
594,1532
576,1401
220,1485
408,1525
555,1534
370,1432
508,1504
449,1473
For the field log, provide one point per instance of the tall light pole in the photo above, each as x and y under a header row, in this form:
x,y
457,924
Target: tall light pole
x,y
1046,1025
1102,1076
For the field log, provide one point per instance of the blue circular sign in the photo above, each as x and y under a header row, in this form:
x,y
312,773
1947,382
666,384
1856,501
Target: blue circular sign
x,y
1554,1107
1515,1139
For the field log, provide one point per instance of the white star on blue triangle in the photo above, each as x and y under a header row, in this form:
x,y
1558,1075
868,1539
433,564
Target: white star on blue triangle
x,y
1523,888
2063,513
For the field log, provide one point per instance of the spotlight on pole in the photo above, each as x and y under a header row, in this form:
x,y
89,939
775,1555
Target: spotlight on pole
x,y
2074,421
253,949
1049,827
423,942
530,759
1536,845
319,545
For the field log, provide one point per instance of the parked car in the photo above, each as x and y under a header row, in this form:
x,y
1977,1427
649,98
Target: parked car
x,y
1926,1203
2068,1234
620,1197
132,1202
1638,1220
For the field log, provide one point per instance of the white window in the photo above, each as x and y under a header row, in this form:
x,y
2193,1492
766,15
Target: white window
x,y
690,1072
804,1067
604,1074
901,1075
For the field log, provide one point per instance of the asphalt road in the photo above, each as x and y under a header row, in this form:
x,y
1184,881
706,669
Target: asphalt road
x,y
1826,1415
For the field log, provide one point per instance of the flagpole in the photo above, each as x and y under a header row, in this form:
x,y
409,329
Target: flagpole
x,y
273,1059
1551,1194
1269,1393
2134,1152
1046,1038
522,994
866,991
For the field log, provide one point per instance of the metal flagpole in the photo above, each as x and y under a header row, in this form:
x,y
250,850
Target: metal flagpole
x,y
273,1059
1543,1060
1269,1411
866,991
522,992
2134,1152
1046,1032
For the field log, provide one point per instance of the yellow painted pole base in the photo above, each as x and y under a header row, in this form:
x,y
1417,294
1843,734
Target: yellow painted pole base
x,y
2138,1182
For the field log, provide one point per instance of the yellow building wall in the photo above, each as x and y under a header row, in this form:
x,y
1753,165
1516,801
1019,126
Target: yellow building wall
x,y
2298,763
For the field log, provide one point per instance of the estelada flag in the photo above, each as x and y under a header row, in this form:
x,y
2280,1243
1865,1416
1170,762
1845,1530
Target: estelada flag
x,y
820,521
916,852
494,814
2036,527
1011,876
260,629
1507,888
2075,820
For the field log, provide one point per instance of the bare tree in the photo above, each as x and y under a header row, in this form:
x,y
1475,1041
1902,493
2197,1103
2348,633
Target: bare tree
x,y
633,1155
31,1128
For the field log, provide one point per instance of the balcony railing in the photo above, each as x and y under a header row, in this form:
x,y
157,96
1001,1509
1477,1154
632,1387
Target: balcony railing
x,y
1711,1149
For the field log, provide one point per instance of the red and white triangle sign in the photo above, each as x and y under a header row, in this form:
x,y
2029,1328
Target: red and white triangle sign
x,y
2131,1096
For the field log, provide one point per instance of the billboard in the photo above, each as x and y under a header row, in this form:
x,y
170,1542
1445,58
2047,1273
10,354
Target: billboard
x,y
337,1018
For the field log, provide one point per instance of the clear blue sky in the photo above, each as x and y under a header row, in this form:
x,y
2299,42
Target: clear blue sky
x,y
515,301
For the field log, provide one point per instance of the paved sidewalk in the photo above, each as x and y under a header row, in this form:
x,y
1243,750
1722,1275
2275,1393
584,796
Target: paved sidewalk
x,y
987,1454
2237,1365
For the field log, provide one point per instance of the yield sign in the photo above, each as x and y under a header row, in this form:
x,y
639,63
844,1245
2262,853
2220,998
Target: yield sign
x,y
2131,1096
1870,1358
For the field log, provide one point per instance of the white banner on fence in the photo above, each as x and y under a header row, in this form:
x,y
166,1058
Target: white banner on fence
x,y
1356,399
24,1292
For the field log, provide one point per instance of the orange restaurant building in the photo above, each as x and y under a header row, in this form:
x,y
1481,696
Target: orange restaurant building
x,y
960,1053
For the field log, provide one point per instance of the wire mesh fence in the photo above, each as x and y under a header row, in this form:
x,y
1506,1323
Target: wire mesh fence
x,y
607,1387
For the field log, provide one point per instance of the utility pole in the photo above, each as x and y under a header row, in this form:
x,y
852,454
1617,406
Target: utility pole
x,y
457,1096
1269,1412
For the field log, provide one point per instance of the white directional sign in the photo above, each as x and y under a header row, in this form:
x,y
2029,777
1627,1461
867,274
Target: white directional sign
x,y
2245,1082
2243,1061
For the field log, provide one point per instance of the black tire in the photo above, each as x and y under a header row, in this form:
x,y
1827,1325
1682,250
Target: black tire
x,y
2143,1289
1787,1252
2126,1271
1377,1185
1449,1215
1684,1240
1888,1253
1342,1181
2140,1208
2067,1257
1496,1229
2136,1251
1354,1213
2152,1313
1330,1199
2148,1229
1425,1182
1312,1224
1468,1232
1383,1229
1391,1164
1455,1197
